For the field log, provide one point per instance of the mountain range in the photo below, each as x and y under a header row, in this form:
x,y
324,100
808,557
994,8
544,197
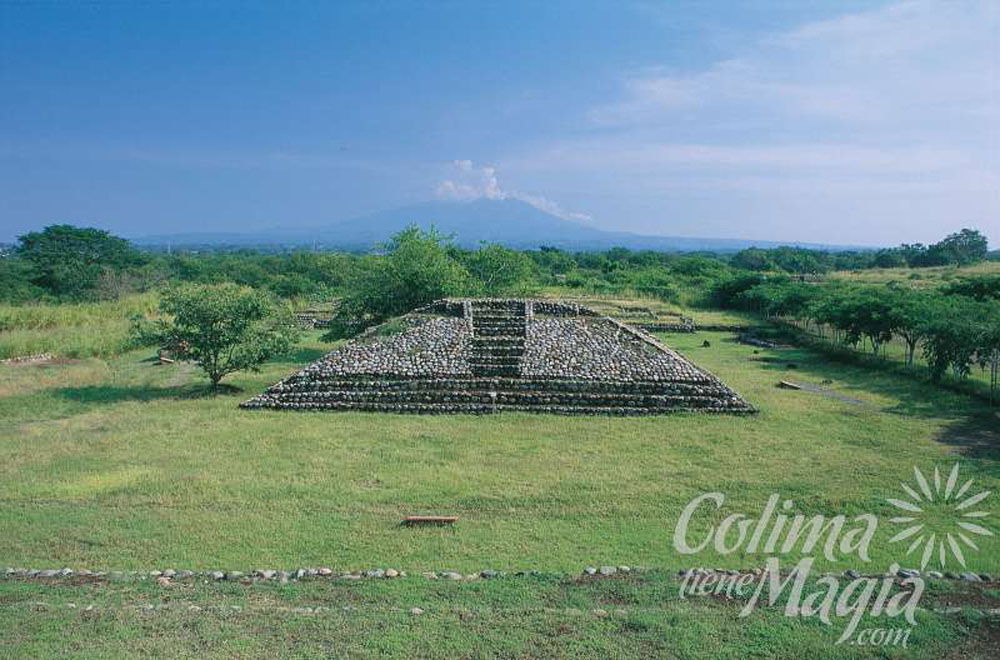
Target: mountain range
x,y
510,222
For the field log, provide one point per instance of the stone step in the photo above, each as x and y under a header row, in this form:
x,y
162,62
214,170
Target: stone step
x,y
493,358
501,331
505,352
498,341
496,323
496,370
486,409
498,314
522,384
505,398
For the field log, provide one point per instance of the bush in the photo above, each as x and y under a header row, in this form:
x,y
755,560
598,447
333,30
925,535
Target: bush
x,y
415,270
225,328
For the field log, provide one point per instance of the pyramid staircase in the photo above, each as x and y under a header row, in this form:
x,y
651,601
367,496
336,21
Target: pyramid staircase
x,y
499,330
497,382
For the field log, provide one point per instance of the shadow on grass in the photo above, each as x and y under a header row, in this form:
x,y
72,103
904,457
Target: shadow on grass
x,y
972,428
98,394
976,436
304,354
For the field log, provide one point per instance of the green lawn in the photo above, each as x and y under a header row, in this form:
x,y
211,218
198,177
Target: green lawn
x,y
126,465
544,616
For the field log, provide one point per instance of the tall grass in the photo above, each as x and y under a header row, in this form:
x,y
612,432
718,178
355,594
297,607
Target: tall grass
x,y
98,329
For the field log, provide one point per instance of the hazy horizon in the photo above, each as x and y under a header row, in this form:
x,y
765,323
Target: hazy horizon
x,y
852,123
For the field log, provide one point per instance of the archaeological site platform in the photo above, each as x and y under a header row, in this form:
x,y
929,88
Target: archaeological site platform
x,y
484,356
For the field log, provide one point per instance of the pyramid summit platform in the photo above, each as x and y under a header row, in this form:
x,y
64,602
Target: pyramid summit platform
x,y
485,356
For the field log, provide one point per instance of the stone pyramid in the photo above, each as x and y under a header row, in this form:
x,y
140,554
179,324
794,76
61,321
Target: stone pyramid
x,y
494,355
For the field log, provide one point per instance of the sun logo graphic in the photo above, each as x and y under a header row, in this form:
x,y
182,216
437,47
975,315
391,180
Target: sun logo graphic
x,y
939,521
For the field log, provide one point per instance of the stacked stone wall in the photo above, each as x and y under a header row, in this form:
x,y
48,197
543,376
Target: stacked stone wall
x,y
493,355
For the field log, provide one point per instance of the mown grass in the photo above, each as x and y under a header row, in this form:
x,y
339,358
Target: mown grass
x,y
129,465
124,464
540,616
891,356
97,329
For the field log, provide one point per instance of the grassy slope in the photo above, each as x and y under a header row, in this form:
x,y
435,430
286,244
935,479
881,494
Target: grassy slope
x,y
126,467
71,330
544,616
123,464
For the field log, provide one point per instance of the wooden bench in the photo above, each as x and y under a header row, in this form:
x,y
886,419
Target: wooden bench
x,y
429,520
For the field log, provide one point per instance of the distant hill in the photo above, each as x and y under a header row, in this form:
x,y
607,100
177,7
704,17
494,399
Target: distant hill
x,y
509,222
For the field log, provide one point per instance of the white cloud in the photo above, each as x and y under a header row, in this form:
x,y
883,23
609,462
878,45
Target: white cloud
x,y
890,105
912,62
467,182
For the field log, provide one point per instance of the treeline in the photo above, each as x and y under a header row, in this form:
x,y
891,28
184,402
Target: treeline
x,y
70,264
66,263
962,248
956,327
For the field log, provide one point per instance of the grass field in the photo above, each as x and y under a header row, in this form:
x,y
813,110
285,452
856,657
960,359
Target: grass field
x,y
97,329
918,277
122,464
532,617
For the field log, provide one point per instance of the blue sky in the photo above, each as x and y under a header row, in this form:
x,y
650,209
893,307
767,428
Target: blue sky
x,y
841,122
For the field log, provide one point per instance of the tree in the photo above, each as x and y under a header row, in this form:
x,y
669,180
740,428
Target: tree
x,y
225,327
890,258
68,261
950,336
753,259
982,287
988,347
414,270
965,247
908,309
497,270
858,313
16,277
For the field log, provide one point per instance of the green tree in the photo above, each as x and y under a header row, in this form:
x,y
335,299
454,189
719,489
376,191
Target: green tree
x,y
16,277
965,247
988,346
907,311
67,261
753,259
414,270
982,287
497,270
951,335
225,327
